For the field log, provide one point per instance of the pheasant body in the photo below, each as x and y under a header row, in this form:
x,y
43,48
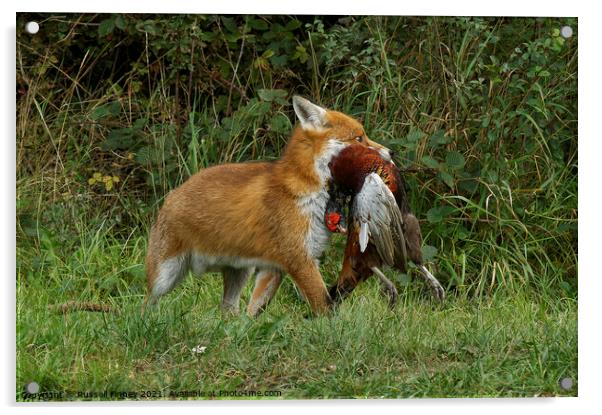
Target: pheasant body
x,y
382,229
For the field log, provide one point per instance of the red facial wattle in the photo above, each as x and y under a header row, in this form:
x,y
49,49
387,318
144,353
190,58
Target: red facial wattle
x,y
332,220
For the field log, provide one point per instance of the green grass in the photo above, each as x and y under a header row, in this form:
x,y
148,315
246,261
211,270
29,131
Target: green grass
x,y
511,343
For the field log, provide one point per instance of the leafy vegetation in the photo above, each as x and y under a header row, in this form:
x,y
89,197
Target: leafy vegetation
x,y
113,111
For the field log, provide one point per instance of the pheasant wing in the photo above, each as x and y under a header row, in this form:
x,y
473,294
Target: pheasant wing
x,y
375,209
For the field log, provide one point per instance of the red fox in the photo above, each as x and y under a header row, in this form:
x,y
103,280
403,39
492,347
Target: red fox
x,y
269,216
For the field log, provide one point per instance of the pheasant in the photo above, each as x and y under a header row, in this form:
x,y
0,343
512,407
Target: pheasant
x,y
382,231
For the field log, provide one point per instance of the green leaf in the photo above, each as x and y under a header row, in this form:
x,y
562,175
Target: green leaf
x,y
438,213
267,54
120,22
258,24
403,279
231,124
270,95
485,121
300,54
119,139
147,155
454,160
567,287
257,110
115,108
100,112
292,25
280,123
469,186
230,24
137,272
140,123
147,26
279,60
106,27
447,178
428,161
433,215
414,135
438,138
428,253
462,233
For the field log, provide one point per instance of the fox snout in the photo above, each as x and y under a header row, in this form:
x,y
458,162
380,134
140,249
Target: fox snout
x,y
385,153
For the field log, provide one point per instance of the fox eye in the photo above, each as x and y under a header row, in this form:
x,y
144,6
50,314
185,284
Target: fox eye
x,y
359,139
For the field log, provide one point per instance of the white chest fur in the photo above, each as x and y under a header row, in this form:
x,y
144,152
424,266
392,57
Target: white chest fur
x,y
313,204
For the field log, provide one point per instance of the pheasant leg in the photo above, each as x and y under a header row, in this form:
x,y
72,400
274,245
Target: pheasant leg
x,y
387,286
435,285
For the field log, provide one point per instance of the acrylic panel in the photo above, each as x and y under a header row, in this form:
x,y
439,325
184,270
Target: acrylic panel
x,y
295,207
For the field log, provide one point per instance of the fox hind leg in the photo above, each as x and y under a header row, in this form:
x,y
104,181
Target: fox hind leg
x,y
167,261
234,282
169,273
266,285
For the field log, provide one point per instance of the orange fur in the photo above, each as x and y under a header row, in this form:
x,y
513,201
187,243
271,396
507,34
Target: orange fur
x,y
266,286
249,214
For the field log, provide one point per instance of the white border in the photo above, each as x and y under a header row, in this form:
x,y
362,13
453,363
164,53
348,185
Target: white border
x,y
337,7
589,215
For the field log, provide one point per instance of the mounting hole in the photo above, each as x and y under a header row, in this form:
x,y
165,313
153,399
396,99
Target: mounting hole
x,y
32,27
566,31
32,388
566,384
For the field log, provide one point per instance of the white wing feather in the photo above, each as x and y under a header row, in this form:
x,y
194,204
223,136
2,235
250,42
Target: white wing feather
x,y
380,220
364,237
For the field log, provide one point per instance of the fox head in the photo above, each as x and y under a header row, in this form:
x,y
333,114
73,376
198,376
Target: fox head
x,y
318,122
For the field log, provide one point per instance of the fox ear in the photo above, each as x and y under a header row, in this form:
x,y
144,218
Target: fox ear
x,y
311,116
